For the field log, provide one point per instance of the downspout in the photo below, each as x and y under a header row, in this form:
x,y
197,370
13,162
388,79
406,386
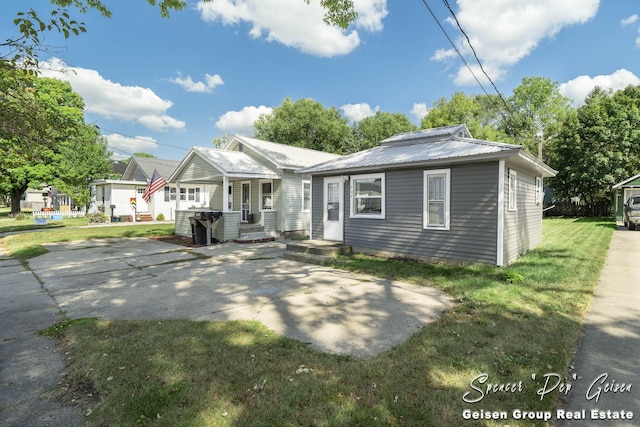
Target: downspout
x,y
500,229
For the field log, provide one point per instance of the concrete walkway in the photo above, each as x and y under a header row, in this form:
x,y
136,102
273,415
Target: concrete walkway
x,y
608,355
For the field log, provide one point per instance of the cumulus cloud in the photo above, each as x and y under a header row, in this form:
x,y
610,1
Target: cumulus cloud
x,y
504,32
357,112
419,110
630,20
578,88
113,100
209,84
137,144
241,122
295,23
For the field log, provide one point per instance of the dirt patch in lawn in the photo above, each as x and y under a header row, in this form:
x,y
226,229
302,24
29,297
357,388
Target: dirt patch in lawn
x,y
177,240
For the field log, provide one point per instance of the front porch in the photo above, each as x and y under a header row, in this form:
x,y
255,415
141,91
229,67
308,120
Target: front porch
x,y
229,226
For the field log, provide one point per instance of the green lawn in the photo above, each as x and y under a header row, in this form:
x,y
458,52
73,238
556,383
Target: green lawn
x,y
509,323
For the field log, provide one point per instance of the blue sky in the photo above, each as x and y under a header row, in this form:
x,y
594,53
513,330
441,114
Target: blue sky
x,y
161,86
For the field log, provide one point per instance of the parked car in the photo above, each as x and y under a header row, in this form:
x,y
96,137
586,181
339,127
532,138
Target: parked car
x,y
631,212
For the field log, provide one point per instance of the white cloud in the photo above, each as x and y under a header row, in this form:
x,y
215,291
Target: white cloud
x,y
630,20
503,32
138,144
113,100
295,23
357,112
578,88
210,83
419,110
241,122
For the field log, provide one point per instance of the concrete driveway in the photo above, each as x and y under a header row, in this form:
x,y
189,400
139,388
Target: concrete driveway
x,y
334,311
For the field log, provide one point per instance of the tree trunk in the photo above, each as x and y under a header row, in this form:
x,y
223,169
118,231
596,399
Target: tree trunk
x,y
16,195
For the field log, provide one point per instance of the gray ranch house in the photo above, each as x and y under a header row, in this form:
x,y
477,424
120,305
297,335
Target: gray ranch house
x,y
253,184
435,194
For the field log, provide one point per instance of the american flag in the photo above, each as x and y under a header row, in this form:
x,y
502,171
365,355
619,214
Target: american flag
x,y
156,183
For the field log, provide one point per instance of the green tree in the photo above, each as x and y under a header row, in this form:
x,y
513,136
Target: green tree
x,y
42,122
536,115
598,147
80,160
371,130
481,114
304,123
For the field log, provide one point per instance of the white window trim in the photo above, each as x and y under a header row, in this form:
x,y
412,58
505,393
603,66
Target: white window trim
x,y
539,190
302,209
447,200
264,181
353,211
513,191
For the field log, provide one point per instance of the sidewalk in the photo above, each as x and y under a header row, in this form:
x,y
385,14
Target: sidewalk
x,y
607,362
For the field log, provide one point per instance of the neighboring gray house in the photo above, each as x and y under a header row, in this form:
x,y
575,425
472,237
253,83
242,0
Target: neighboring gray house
x,y
432,194
621,193
252,182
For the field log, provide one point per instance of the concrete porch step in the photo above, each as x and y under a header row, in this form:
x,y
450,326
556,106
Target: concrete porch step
x,y
251,228
308,258
254,237
318,247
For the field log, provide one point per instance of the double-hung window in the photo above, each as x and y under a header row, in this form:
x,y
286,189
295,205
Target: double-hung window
x,y
367,196
266,195
513,190
306,196
437,199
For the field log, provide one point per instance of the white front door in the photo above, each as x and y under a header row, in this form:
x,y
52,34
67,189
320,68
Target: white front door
x,y
333,215
141,203
245,200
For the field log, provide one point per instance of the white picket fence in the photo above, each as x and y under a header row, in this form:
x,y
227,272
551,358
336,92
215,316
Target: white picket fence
x,y
63,214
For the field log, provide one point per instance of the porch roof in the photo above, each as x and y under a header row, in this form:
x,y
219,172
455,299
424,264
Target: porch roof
x,y
627,182
231,164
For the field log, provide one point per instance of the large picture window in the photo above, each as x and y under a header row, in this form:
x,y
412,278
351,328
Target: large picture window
x,y
437,199
367,196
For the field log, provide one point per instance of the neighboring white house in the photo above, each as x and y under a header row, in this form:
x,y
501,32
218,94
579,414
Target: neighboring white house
x,y
130,188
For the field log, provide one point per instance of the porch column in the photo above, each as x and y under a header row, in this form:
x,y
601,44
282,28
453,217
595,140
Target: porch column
x,y
225,193
177,195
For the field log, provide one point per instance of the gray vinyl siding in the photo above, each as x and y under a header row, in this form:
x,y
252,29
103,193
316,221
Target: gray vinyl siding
x,y
195,169
317,207
522,227
473,224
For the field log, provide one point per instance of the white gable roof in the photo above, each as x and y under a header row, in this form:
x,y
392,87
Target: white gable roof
x,y
282,156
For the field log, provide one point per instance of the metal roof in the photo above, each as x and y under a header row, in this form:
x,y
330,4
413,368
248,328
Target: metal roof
x,y
283,156
229,163
424,148
429,134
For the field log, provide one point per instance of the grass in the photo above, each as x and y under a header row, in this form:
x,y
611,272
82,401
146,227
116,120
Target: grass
x,y
509,323
25,245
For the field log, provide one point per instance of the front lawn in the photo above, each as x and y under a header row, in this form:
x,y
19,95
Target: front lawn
x,y
513,324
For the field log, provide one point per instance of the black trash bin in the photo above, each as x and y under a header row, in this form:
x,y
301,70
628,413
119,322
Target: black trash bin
x,y
198,232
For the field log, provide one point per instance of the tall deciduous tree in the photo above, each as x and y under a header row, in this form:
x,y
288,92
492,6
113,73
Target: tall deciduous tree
x,y
304,123
371,130
537,112
42,135
481,114
599,146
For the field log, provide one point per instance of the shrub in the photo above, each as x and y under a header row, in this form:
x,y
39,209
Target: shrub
x,y
160,217
97,218
21,216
